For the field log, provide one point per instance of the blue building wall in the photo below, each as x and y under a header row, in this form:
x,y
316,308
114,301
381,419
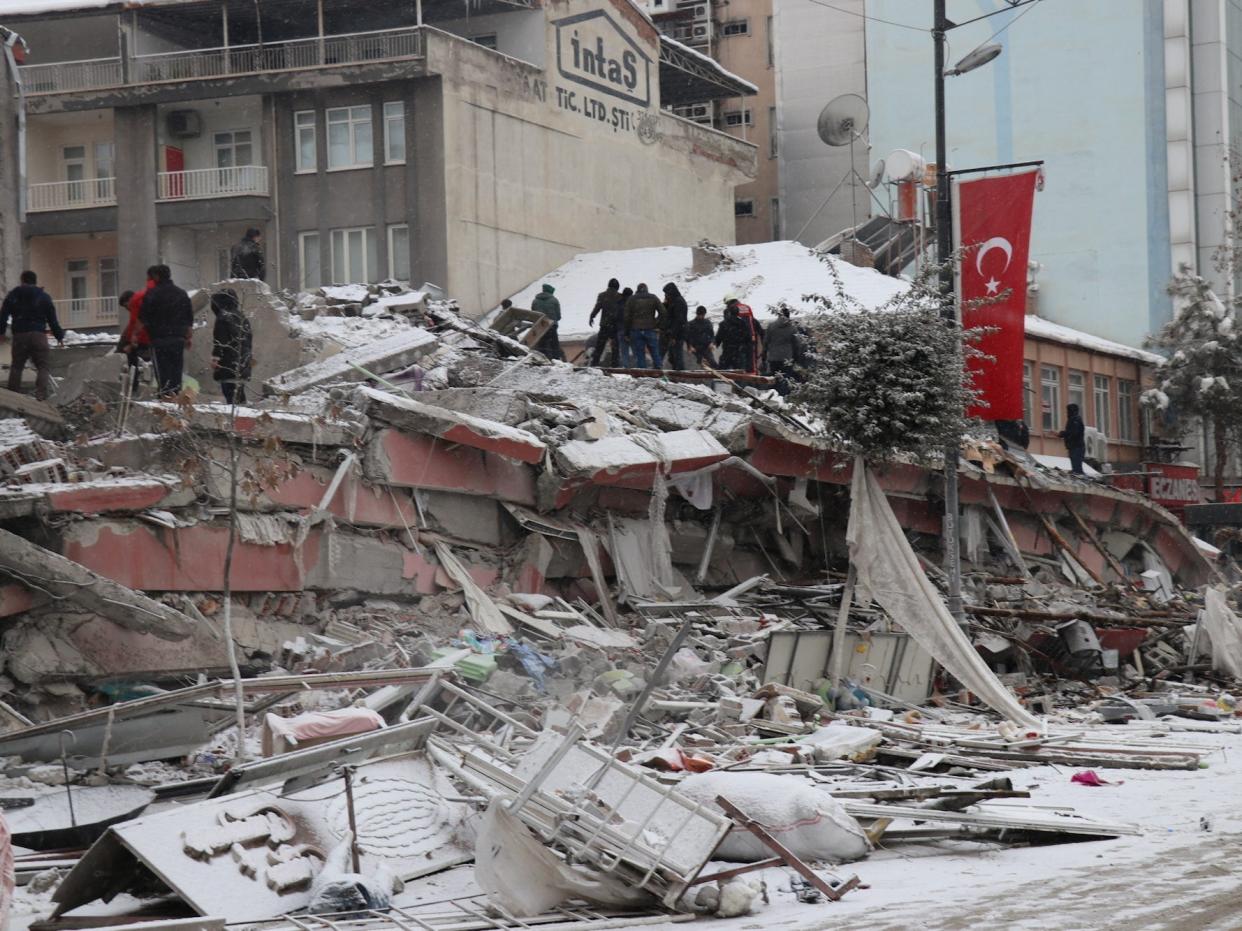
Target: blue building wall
x,y
1079,85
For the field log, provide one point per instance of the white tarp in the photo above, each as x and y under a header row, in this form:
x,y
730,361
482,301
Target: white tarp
x,y
889,573
1224,629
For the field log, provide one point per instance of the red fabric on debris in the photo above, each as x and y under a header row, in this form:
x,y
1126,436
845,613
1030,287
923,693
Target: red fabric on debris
x,y
1089,777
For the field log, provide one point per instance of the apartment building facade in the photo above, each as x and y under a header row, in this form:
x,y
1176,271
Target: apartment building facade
x,y
473,148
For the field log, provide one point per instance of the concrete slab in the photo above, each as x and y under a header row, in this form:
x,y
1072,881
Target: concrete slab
x,y
396,458
619,460
251,423
385,355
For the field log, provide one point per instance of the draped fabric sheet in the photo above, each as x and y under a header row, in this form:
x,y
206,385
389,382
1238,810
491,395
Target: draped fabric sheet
x,y
889,573
1224,630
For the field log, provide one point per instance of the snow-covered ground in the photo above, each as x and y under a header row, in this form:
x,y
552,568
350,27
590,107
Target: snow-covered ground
x,y
761,275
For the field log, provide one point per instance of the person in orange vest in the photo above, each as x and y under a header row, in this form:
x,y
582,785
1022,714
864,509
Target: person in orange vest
x,y
134,341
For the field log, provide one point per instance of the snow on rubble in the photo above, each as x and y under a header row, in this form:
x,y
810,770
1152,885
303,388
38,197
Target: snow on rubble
x,y
763,275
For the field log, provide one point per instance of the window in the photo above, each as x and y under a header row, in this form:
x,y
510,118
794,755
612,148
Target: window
x,y
394,132
1102,418
349,137
399,252
308,260
76,285
776,218
105,171
304,141
73,164
772,140
1076,390
488,40
737,118
743,208
233,149
1050,397
1126,392
107,277
353,255
736,27
771,45
1028,392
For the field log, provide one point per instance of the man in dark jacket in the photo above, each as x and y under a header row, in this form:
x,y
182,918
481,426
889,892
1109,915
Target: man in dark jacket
x,y
699,337
232,344
168,318
246,259
611,311
1075,436
33,314
545,303
733,336
782,348
642,325
673,327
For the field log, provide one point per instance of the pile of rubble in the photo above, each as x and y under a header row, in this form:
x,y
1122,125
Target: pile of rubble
x,y
546,640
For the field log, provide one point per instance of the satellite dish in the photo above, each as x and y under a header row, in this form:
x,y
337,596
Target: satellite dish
x,y
843,120
877,175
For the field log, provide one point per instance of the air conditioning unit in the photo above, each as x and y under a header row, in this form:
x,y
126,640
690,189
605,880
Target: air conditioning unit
x,y
185,124
1097,444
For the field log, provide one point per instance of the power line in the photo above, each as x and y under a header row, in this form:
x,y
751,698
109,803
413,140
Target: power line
x,y
1028,6
874,19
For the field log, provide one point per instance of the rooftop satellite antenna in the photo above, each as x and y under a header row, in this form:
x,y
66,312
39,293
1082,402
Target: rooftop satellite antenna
x,y
843,121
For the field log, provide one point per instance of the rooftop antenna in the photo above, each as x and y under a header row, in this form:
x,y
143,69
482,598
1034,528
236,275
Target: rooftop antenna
x,y
843,121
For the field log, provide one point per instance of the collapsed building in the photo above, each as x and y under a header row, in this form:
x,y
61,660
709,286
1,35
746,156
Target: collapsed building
x,y
482,582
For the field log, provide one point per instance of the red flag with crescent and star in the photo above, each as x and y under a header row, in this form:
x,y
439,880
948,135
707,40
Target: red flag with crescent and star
x,y
994,237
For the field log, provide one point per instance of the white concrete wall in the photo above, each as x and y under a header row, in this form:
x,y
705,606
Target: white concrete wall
x,y
47,256
821,53
531,180
224,114
47,135
520,34
179,251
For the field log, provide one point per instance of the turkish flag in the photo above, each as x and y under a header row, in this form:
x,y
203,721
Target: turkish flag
x,y
994,237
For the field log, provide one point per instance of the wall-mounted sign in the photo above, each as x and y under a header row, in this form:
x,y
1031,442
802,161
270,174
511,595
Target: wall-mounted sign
x,y
594,51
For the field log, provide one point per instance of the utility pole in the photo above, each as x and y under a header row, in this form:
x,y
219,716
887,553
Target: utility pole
x,y
948,310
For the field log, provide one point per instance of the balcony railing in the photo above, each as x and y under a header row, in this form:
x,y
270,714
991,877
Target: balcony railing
x,y
71,195
199,183
78,312
234,61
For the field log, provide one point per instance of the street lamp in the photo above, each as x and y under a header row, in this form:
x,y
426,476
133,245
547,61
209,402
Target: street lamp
x,y
944,248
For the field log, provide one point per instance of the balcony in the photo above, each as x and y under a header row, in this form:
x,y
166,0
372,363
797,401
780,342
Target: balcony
x,y
201,183
71,195
83,312
233,61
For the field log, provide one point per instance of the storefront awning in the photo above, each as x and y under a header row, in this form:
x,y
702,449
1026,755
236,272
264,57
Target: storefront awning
x,y
687,76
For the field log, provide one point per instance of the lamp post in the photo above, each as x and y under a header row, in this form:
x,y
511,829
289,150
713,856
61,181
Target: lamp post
x,y
944,249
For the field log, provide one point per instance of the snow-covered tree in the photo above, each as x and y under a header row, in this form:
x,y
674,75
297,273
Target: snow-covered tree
x,y
1202,380
885,382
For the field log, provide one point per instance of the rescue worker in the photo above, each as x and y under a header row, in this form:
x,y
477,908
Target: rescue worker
x,y
33,314
168,317
699,337
642,325
232,344
246,259
545,303
673,327
611,312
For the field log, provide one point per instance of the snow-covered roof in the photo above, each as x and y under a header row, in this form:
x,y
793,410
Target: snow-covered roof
x,y
763,275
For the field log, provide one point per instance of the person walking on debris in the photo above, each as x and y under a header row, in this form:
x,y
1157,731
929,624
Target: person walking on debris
x,y
673,327
782,348
642,323
734,339
231,347
134,341
747,316
246,259
33,314
1075,436
546,303
168,317
611,312
699,337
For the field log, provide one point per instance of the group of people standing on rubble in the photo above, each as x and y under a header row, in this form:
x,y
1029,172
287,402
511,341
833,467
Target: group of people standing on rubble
x,y
637,329
158,329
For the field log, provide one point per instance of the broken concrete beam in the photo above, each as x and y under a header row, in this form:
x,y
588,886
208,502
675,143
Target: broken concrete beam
x,y
94,591
42,417
396,458
477,432
94,497
635,459
251,423
385,355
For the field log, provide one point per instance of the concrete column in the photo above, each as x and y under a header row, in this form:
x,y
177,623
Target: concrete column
x,y
10,181
137,237
379,197
425,182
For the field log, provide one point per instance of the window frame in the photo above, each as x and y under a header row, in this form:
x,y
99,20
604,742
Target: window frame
x,y
1127,423
1080,390
393,228
1101,391
749,212
389,135
369,259
744,118
1028,393
354,118
482,40
299,127
730,28
774,207
303,239
114,272
771,37
774,144
231,147
1050,395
